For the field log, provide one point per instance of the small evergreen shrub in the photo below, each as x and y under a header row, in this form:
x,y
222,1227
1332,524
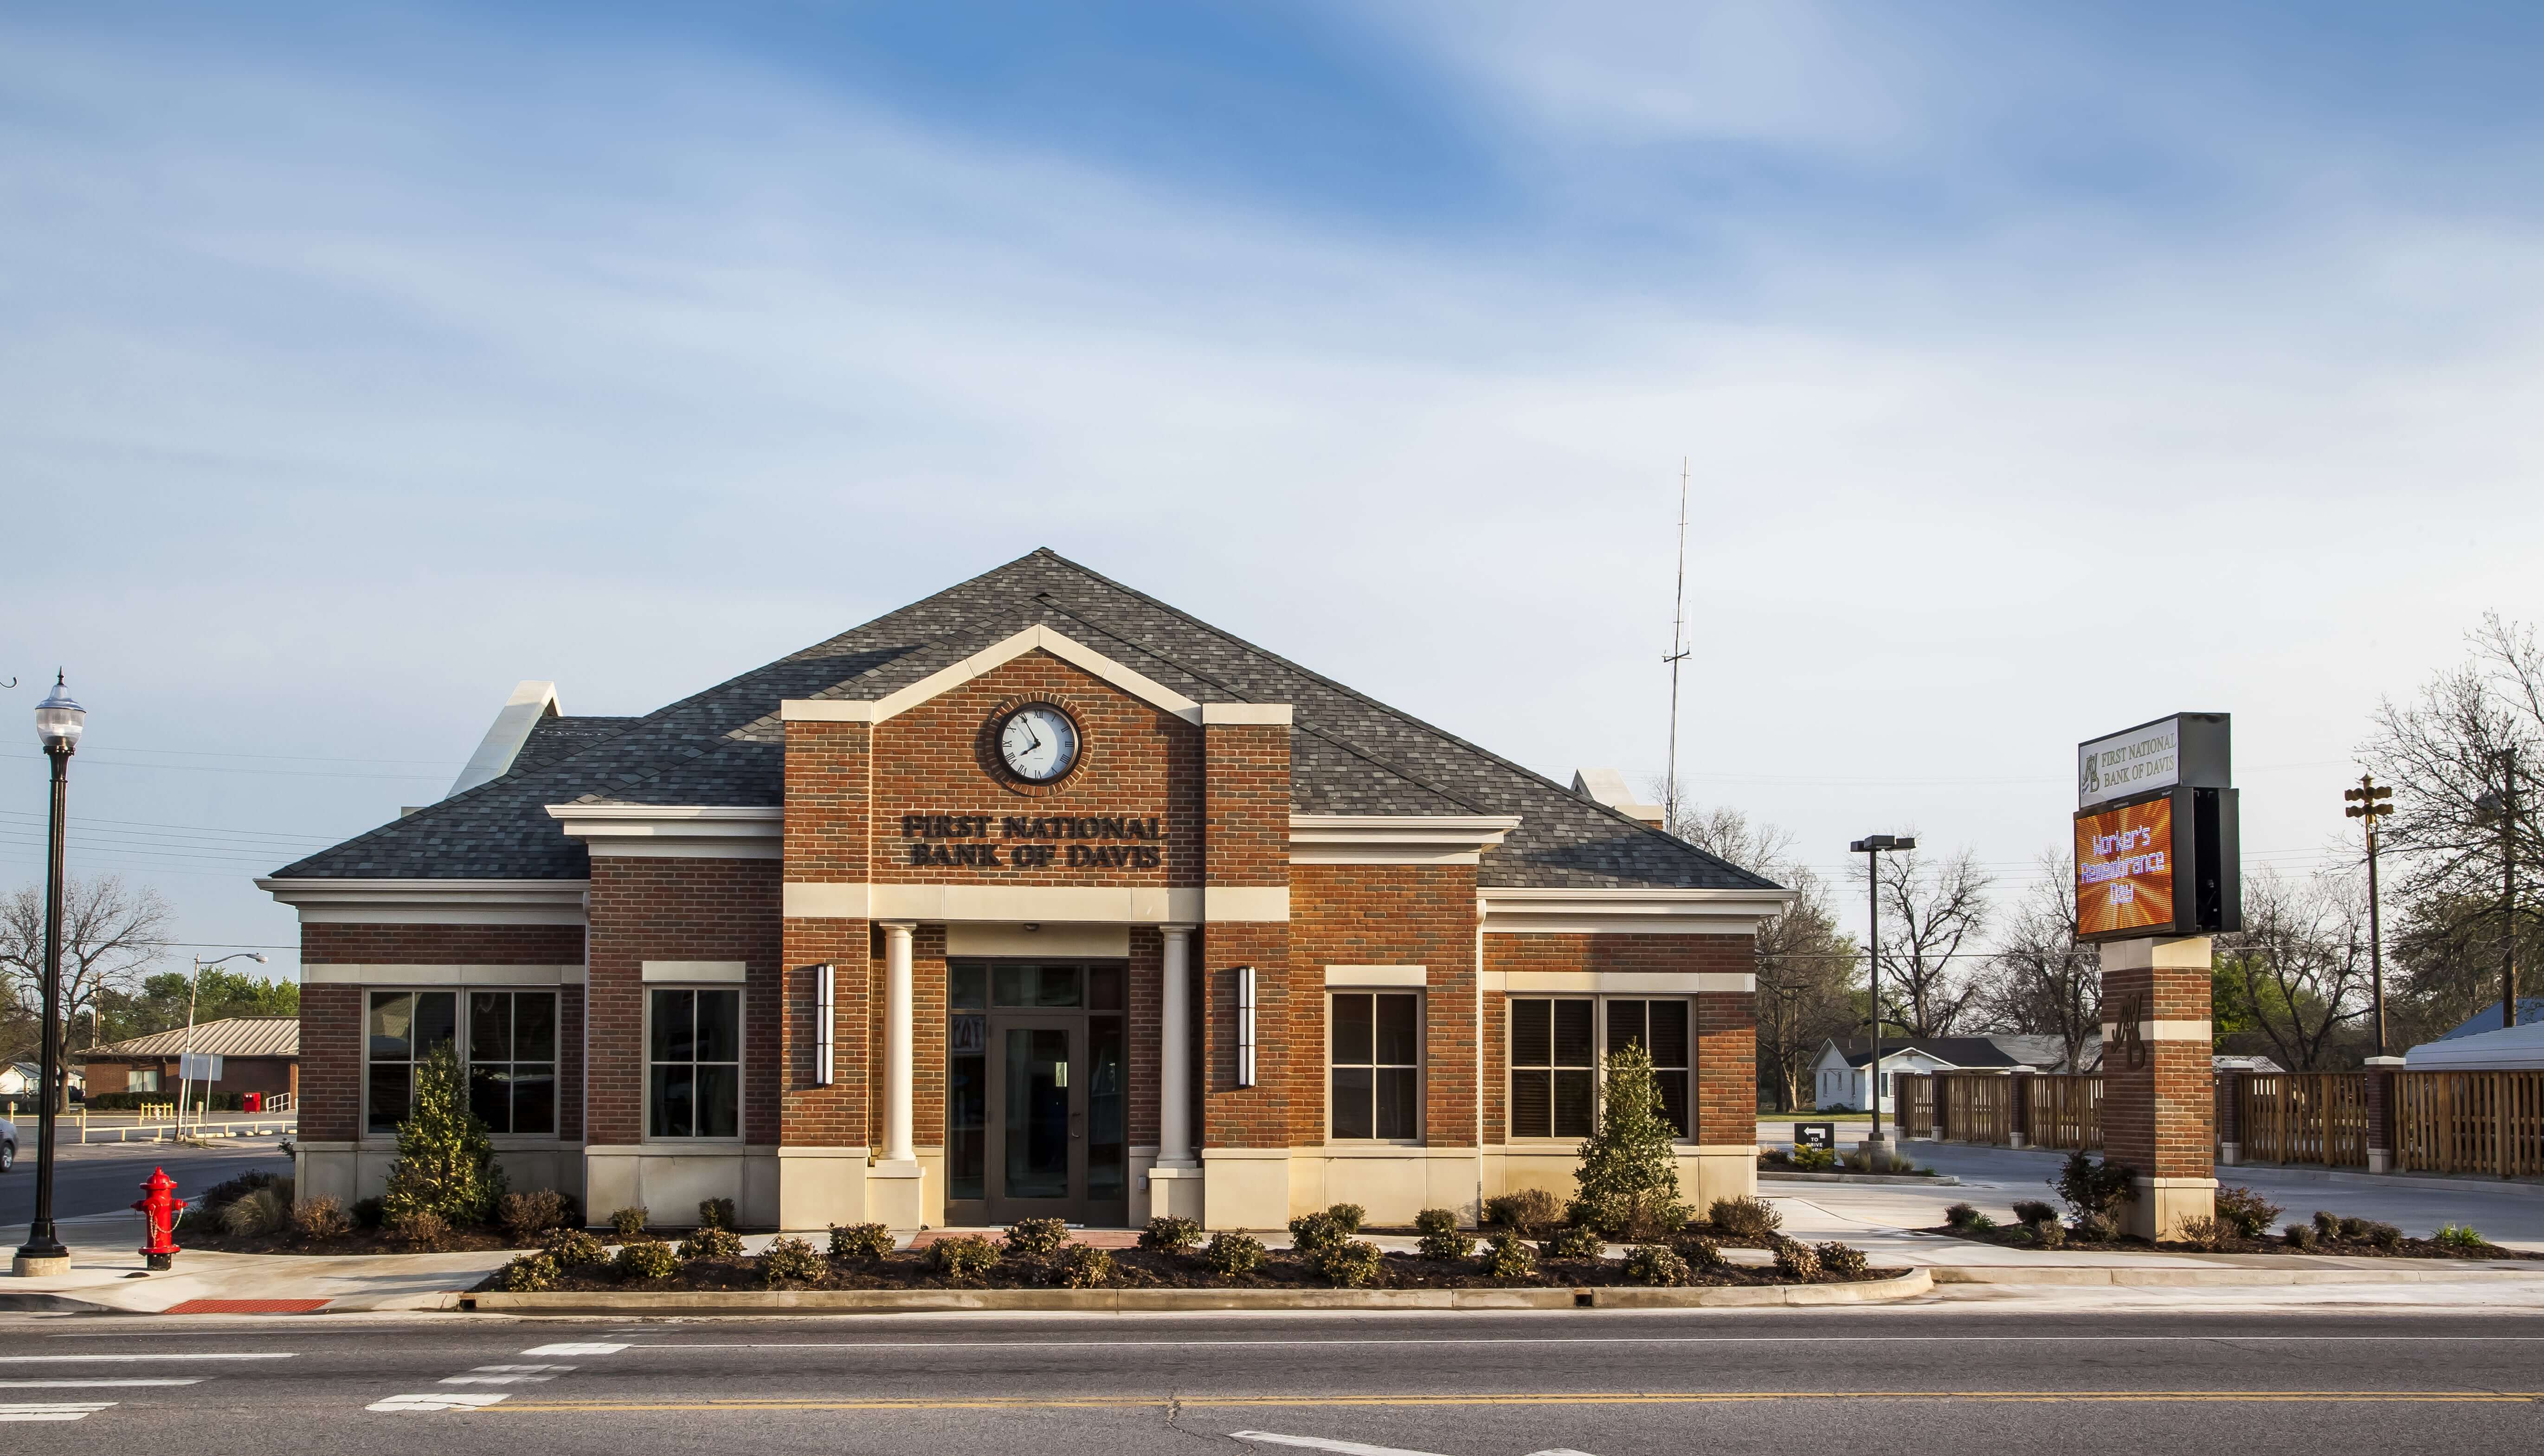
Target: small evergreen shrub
x,y
2087,1187
628,1223
2382,1235
2327,1225
2459,1235
2247,1212
2029,1210
2300,1236
1743,1218
574,1249
1354,1264
1524,1209
1434,1221
2353,1229
1962,1215
1443,1242
445,1163
789,1261
962,1260
861,1241
1233,1254
1814,1160
2094,1228
2047,1234
258,1211
531,1272
1082,1267
420,1231
645,1259
715,1213
2207,1233
1347,1216
1628,1173
320,1218
1572,1242
1509,1257
1796,1261
712,1240
526,1216
1167,1235
1844,1261
1036,1238
1315,1235
371,1212
1700,1253
230,1191
1656,1263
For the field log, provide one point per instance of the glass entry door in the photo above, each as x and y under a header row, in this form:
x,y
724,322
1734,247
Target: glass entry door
x,y
1036,1106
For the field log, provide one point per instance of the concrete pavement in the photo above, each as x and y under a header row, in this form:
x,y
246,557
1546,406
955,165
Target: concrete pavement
x,y
103,1176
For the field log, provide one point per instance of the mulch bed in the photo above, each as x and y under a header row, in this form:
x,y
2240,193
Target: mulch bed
x,y
361,1241
2015,1236
1135,1268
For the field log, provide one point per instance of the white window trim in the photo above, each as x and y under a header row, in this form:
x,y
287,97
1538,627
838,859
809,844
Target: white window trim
x,y
742,1068
1421,1067
1598,1063
505,1142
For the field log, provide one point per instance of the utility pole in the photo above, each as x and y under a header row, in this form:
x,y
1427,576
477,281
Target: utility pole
x,y
1678,655
1871,847
2368,803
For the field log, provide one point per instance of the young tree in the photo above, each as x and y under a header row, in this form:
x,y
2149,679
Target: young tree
x,y
110,933
1929,909
2297,971
445,1163
1629,1173
2040,980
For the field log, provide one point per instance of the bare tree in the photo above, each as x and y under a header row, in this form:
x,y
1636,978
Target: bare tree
x,y
2298,970
1929,909
111,934
2041,980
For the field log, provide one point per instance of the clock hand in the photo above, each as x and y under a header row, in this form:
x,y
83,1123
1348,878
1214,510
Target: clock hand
x,y
1030,733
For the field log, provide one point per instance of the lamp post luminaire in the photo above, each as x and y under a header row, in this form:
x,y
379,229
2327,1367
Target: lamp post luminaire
x,y
59,721
1871,847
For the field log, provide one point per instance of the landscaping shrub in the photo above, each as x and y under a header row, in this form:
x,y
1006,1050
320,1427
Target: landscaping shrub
x,y
1036,1238
1355,1262
222,1195
2029,1210
1314,1235
1814,1160
1743,1217
574,1249
1167,1235
531,1272
526,1216
1700,1252
2459,1235
789,1261
1082,1267
2207,1233
964,1259
1572,1243
422,1231
1509,1257
1233,1254
1656,1263
713,1241
371,1212
645,1259
1435,1221
1629,1173
1962,1217
861,1241
1347,1216
1844,1261
258,1211
445,1163
321,1219
2353,1229
1524,1209
2300,1236
2383,1235
2247,1212
2327,1225
628,1223
2087,1187
715,1213
1449,1245
2048,1234
1795,1260
2095,1228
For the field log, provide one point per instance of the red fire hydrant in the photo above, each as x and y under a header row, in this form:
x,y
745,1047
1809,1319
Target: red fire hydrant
x,y
160,1206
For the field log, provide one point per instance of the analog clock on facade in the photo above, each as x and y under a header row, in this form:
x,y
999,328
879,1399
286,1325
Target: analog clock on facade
x,y
1039,743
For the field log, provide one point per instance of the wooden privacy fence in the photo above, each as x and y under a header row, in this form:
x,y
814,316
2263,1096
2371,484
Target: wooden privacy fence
x,y
2303,1117
2469,1122
1913,1095
2049,1112
2066,1112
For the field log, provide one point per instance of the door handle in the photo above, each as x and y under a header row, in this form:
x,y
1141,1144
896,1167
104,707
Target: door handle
x,y
1076,1125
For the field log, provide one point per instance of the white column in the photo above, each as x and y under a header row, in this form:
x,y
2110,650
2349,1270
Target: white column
x,y
1175,1051
898,1073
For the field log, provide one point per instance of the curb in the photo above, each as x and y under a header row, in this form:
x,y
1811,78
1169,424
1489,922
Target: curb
x,y
2107,1276
1938,1181
54,1304
1908,1285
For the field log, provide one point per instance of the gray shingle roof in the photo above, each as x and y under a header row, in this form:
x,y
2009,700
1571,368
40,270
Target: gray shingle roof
x,y
724,745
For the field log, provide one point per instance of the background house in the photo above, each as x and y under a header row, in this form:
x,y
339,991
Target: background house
x,y
1840,1074
258,1053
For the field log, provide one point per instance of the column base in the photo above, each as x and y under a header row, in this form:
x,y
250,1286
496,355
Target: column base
x,y
2017,1140
2380,1160
894,1195
2162,1203
2230,1154
40,1265
1175,1191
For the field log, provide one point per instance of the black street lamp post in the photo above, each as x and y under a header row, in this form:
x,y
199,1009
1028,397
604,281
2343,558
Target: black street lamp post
x,y
59,721
1871,847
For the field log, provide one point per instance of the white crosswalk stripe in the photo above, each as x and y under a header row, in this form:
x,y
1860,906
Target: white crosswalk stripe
x,y
575,1349
506,1375
440,1400
51,1411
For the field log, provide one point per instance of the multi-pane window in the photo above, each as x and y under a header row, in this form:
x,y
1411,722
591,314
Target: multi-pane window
x,y
511,1059
693,1057
1377,1064
403,1029
1556,1067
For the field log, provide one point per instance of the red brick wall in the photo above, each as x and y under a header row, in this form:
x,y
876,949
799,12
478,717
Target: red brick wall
x,y
331,1060
1387,915
828,791
679,909
1727,1031
834,1116
2160,1119
1145,977
1246,811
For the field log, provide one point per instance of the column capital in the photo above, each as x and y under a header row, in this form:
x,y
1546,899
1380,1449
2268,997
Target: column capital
x,y
897,927
1178,928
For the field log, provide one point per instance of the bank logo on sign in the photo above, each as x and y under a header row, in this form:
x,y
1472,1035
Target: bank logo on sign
x,y
2089,778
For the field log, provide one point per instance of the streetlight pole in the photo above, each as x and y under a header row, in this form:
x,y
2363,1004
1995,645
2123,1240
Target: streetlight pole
x,y
186,1056
2368,803
58,721
1871,847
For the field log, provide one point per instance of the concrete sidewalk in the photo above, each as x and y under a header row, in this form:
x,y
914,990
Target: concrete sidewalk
x,y
107,1275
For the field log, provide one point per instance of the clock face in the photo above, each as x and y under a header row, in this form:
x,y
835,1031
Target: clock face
x,y
1039,743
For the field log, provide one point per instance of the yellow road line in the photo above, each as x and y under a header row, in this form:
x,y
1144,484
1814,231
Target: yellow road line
x,y
1558,1398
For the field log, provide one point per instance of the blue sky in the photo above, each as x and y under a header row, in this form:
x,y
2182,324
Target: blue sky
x,y
2042,370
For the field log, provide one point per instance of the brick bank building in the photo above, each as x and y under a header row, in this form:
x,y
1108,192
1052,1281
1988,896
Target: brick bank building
x,y
1037,897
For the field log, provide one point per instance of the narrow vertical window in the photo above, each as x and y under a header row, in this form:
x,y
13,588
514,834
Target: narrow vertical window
x,y
1660,1027
1377,1075
401,1029
694,1080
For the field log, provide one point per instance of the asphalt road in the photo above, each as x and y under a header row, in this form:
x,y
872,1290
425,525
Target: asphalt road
x,y
103,1178
1611,1384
